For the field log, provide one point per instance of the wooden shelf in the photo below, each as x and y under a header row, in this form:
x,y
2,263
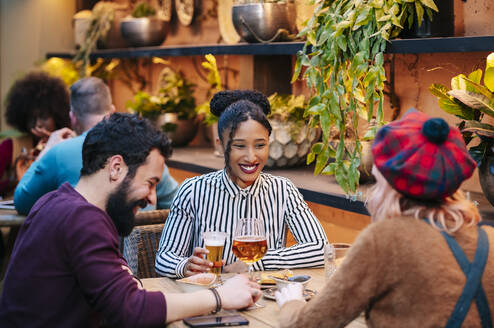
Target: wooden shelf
x,y
403,46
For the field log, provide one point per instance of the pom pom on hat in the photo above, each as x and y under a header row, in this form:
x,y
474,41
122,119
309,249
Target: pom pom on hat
x,y
436,130
422,157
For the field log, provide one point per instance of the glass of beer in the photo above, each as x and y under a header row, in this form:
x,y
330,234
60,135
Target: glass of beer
x,y
249,241
214,242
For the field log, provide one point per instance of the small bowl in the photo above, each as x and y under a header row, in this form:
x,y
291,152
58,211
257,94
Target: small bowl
x,y
256,22
301,279
197,282
144,31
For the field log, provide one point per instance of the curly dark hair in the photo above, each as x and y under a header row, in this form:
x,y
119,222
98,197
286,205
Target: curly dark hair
x,y
37,95
122,134
236,106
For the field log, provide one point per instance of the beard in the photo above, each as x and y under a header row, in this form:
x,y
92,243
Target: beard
x,y
121,209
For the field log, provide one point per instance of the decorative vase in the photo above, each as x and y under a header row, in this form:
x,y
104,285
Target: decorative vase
x,y
180,131
442,24
288,144
486,177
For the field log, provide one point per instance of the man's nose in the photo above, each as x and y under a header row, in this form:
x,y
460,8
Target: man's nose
x,y
151,198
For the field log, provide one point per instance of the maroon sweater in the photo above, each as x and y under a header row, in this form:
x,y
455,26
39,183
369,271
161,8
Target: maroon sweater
x,y
66,271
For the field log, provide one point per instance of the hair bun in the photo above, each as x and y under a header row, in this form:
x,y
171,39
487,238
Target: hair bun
x,y
221,100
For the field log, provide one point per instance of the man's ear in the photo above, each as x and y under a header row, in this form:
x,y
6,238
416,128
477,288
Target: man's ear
x,y
73,119
117,168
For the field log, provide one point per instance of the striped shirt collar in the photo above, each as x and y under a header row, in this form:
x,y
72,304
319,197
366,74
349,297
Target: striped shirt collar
x,y
233,189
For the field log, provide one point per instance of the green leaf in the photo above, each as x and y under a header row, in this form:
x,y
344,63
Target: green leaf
x,y
316,109
476,76
296,70
317,148
321,161
329,169
475,101
420,12
430,4
310,158
342,43
379,59
482,129
342,177
489,72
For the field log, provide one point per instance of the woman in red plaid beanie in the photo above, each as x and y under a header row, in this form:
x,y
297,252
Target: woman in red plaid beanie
x,y
424,261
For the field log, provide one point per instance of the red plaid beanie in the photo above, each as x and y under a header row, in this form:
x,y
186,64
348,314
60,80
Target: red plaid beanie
x,y
422,157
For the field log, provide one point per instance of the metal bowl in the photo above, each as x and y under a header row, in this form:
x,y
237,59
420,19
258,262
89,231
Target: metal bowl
x,y
263,22
144,31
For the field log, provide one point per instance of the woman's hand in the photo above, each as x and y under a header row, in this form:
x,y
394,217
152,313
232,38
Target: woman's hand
x,y
196,263
55,138
239,292
236,267
290,293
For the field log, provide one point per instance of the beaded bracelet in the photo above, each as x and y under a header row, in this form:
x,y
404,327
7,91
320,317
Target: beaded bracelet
x,y
218,300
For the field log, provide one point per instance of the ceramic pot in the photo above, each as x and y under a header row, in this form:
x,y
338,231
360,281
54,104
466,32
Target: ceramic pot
x,y
442,24
289,146
264,22
144,31
486,177
180,131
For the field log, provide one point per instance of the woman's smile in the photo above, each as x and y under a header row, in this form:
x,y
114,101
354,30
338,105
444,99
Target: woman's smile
x,y
249,168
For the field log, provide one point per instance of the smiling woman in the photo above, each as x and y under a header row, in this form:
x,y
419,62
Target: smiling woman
x,y
216,201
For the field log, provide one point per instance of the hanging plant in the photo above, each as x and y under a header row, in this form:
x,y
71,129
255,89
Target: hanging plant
x,y
344,61
102,16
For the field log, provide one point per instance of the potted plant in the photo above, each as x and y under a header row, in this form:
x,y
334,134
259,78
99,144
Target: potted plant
x,y
473,103
103,31
344,61
215,85
172,108
292,137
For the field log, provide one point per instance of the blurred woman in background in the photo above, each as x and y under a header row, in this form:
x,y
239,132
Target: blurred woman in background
x,y
37,104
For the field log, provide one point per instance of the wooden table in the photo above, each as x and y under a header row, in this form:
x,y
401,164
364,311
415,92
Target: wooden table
x,y
12,220
262,317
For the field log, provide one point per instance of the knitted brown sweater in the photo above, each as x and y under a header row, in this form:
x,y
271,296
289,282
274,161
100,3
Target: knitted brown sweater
x,y
402,274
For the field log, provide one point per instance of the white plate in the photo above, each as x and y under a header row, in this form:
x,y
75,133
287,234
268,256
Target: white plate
x,y
269,293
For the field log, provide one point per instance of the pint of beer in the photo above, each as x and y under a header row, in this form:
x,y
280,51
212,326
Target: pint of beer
x,y
215,242
249,249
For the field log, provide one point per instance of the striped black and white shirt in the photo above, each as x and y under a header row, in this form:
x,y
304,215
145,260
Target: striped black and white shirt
x,y
213,202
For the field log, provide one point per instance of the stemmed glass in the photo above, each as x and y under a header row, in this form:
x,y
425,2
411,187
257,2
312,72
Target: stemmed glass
x,y
250,243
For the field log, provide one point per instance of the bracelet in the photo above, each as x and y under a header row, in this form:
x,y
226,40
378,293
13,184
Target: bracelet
x,y
218,300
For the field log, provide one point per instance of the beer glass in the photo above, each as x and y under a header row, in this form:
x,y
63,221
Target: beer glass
x,y
250,244
214,242
334,254
249,241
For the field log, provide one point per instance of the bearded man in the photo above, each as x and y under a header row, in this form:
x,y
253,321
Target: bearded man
x,y
66,269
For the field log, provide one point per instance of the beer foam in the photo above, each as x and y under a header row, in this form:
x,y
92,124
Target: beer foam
x,y
250,239
214,242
